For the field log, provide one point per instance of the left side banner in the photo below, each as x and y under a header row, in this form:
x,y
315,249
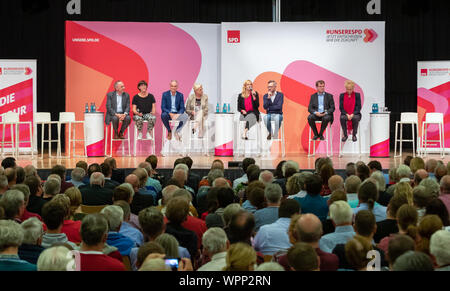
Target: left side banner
x,y
18,79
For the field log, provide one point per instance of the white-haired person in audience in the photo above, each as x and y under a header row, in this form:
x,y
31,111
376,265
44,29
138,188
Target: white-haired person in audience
x,y
298,181
167,194
126,228
351,185
266,177
229,212
413,261
31,248
402,174
273,194
269,267
125,193
11,237
52,187
440,249
341,215
367,196
445,191
182,179
272,238
383,197
77,176
58,258
432,187
215,246
336,182
114,215
13,203
94,233
26,194
95,193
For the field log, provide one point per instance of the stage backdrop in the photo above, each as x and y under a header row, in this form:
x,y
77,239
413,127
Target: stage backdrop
x,y
18,93
433,95
296,55
99,53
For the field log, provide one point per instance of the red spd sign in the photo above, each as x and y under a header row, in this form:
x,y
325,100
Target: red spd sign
x,y
234,36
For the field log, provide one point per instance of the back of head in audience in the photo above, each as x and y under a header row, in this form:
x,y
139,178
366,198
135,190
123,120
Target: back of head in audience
x,y
78,174
335,182
177,210
368,193
362,171
34,184
269,267
230,211
326,172
381,182
93,168
308,229
241,227
59,170
97,178
20,175
146,249
431,186
94,230
356,251
221,183
407,218
365,224
314,185
436,206
273,194
416,163
213,175
53,214
352,184
56,258
413,261
337,195
32,231
403,171
439,247
247,162
419,176
421,197
240,257
13,203
288,208
151,221
440,171
303,257
398,245
350,169
266,177
428,225
407,160
225,197
11,236
341,213
374,166
9,162
445,185
215,241
170,245
82,164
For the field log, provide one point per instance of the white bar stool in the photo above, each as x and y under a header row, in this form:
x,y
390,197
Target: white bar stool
x,y
406,118
433,118
280,138
44,119
111,134
240,132
194,137
341,135
11,119
328,140
143,138
173,125
68,118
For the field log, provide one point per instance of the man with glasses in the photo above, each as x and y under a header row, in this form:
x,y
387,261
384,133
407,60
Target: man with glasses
x,y
273,104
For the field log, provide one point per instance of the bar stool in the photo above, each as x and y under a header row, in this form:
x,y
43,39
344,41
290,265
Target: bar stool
x,y
44,119
111,134
194,137
328,140
349,133
406,118
173,125
143,139
280,138
11,119
433,118
68,118
240,132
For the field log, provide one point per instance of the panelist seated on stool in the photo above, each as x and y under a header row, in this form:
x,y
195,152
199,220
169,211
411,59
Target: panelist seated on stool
x,y
118,109
248,106
197,109
350,107
273,104
144,110
321,108
172,108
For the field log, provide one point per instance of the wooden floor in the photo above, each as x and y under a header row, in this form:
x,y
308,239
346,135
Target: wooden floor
x,y
203,162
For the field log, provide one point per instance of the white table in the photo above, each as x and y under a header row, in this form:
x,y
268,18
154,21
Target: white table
x,y
94,129
379,134
224,134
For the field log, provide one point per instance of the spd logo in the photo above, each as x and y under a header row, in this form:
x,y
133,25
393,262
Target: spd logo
x,y
234,36
424,72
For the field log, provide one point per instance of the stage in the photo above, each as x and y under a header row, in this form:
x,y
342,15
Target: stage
x,y
204,162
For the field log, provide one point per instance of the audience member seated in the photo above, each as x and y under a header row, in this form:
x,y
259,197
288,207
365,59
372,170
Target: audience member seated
x,y
96,194
383,197
107,173
335,182
432,187
297,182
31,248
445,191
367,196
389,225
152,183
439,249
26,192
52,187
114,216
255,197
70,227
440,171
3,184
313,202
118,175
341,215
126,228
215,246
145,250
430,167
266,177
269,267
419,176
13,204
326,172
203,191
362,171
416,164
143,177
413,261
140,201
399,245
94,233
302,257
76,200
240,257
269,214
241,228
167,194
420,200
56,259
11,237
289,169
337,195
272,238
172,247
61,172
93,168
230,211
244,179
193,179
53,214
356,251
365,226
35,202
350,170
9,162
77,176
11,175
351,185
436,206
426,228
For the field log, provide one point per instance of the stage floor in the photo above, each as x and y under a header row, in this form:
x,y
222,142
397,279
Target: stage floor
x,y
204,162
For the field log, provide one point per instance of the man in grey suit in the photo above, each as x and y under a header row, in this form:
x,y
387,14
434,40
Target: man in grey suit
x,y
321,108
118,109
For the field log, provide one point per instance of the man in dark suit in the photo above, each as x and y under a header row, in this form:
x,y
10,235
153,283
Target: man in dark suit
x,y
107,172
172,108
273,104
118,109
321,107
140,201
350,107
96,194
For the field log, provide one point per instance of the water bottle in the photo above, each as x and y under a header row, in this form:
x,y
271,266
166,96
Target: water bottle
x,y
86,108
94,108
218,107
229,107
375,108
224,108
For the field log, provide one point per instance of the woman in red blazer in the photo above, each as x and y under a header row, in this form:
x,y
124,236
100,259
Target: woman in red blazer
x,y
350,106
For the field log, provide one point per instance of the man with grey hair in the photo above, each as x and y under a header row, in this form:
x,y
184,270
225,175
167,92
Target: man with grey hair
x,y
3,184
173,108
268,215
302,180
413,261
215,246
114,215
52,187
266,177
13,203
94,233
118,109
383,197
182,178
445,191
341,215
419,175
221,183
335,183
432,186
404,173
351,185
127,228
273,104
30,170
11,237
439,248
31,246
229,212
140,201
77,176
96,194
430,167
151,184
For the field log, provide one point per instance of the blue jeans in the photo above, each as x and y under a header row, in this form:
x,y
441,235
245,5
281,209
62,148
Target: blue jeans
x,y
278,118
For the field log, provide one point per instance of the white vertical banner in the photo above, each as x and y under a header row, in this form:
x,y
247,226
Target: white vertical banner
x,y
18,93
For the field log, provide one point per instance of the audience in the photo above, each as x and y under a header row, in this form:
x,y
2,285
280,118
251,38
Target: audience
x,y
296,185
436,206
313,202
77,176
351,186
140,201
215,247
55,259
114,216
240,257
244,179
3,184
413,261
95,194
440,250
127,229
269,214
35,202
13,204
52,187
107,173
367,196
356,253
389,225
302,257
11,237
399,245
61,172
26,192
70,227
54,214
445,191
31,248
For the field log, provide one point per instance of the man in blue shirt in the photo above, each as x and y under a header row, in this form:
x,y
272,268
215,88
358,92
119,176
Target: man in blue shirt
x,y
321,108
273,104
268,215
114,215
313,202
173,108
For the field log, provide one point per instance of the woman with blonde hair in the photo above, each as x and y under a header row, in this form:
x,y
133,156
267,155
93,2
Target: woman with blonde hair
x,y
356,252
427,227
248,106
406,189
350,107
240,257
76,200
197,108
